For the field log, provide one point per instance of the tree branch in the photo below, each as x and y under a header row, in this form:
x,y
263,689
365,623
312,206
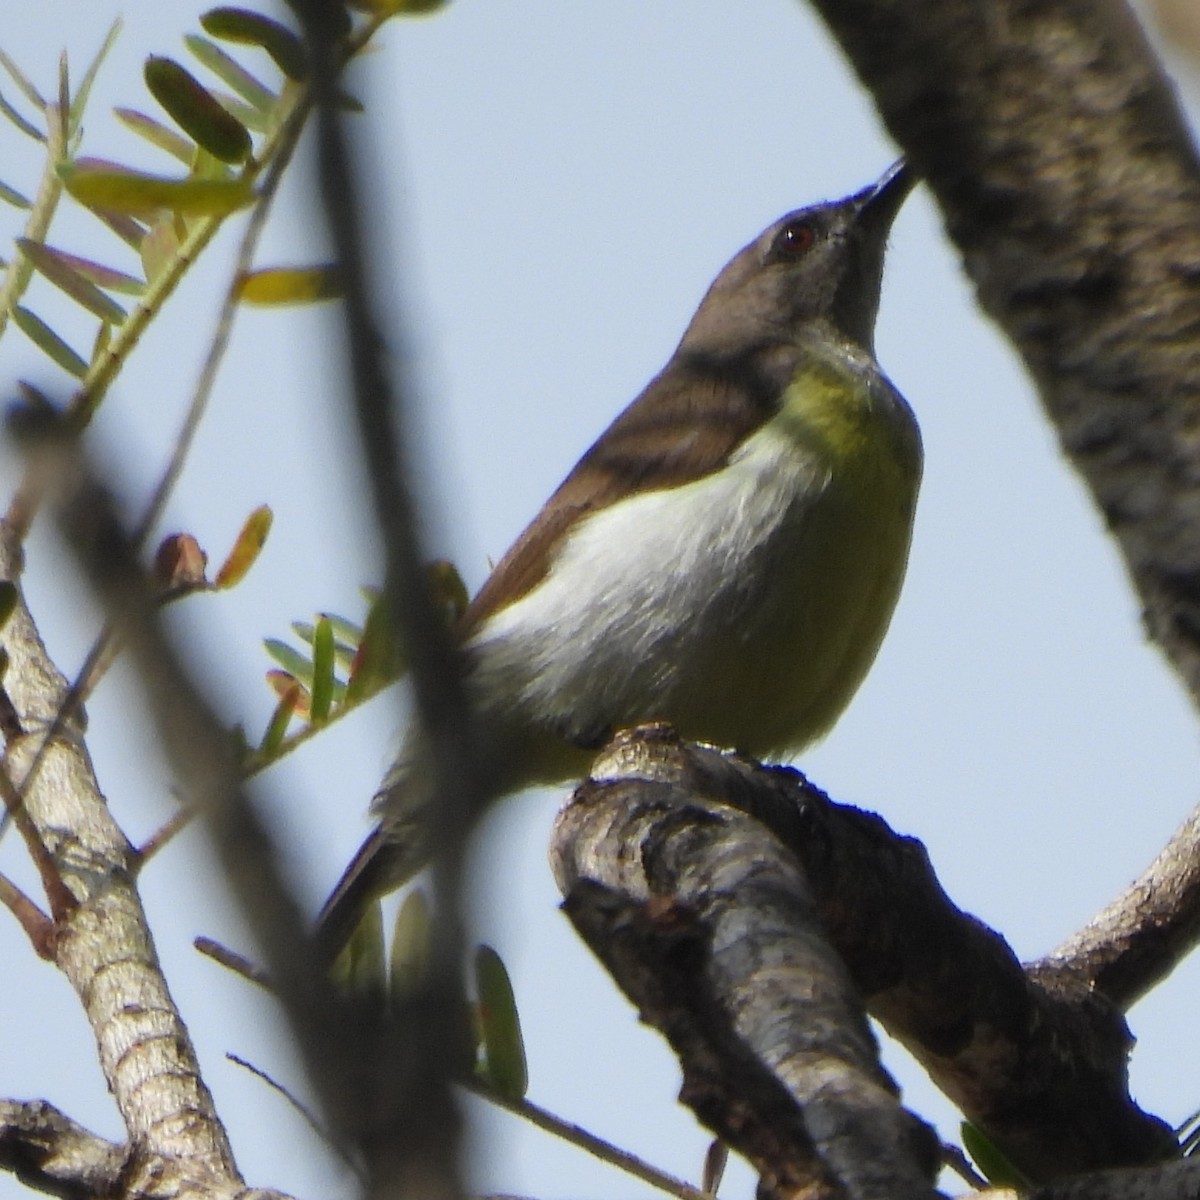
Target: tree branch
x,y
708,924
1146,931
102,942
51,1153
1069,181
1039,1064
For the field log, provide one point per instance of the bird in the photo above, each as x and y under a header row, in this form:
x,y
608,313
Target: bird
x,y
726,557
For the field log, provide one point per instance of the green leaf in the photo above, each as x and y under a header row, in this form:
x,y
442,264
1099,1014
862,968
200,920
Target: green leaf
x,y
30,92
399,8
94,272
131,232
101,342
715,1159
246,549
118,190
412,946
448,590
253,29
13,197
26,127
380,656
58,268
359,968
232,73
281,718
289,658
290,285
159,247
322,683
504,1064
249,116
344,655
46,340
344,630
64,95
993,1165
157,134
196,111
284,683
343,649
89,77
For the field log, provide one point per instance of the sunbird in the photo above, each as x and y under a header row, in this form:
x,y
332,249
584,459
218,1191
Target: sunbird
x,y
727,555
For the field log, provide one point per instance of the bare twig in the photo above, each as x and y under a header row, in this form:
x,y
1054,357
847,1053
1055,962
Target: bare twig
x,y
306,1115
231,960
413,1139
1145,932
576,1135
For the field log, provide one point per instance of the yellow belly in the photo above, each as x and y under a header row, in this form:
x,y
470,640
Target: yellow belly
x,y
744,607
788,662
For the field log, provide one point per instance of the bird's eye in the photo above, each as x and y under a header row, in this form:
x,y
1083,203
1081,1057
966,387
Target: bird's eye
x,y
795,239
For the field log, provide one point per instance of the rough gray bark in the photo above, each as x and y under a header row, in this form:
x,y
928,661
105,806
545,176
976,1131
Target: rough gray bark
x,y
707,922
1039,1063
1069,181
101,941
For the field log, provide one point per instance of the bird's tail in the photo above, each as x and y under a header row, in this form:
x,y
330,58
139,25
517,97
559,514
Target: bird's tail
x,y
362,883
394,851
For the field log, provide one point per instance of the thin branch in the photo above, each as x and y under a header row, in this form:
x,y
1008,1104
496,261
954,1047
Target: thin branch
x,y
231,960
38,927
576,1135
41,215
147,1057
165,833
104,650
1140,937
956,1160
308,1117
413,1144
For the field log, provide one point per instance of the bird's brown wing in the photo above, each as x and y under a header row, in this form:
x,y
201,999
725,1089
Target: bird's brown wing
x,y
685,425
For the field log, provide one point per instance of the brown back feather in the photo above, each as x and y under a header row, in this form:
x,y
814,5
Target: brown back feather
x,y
685,425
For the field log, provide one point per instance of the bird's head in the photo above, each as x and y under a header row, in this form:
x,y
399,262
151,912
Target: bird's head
x,y
816,265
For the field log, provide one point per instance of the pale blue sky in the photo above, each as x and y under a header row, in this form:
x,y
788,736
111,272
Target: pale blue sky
x,y
556,184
